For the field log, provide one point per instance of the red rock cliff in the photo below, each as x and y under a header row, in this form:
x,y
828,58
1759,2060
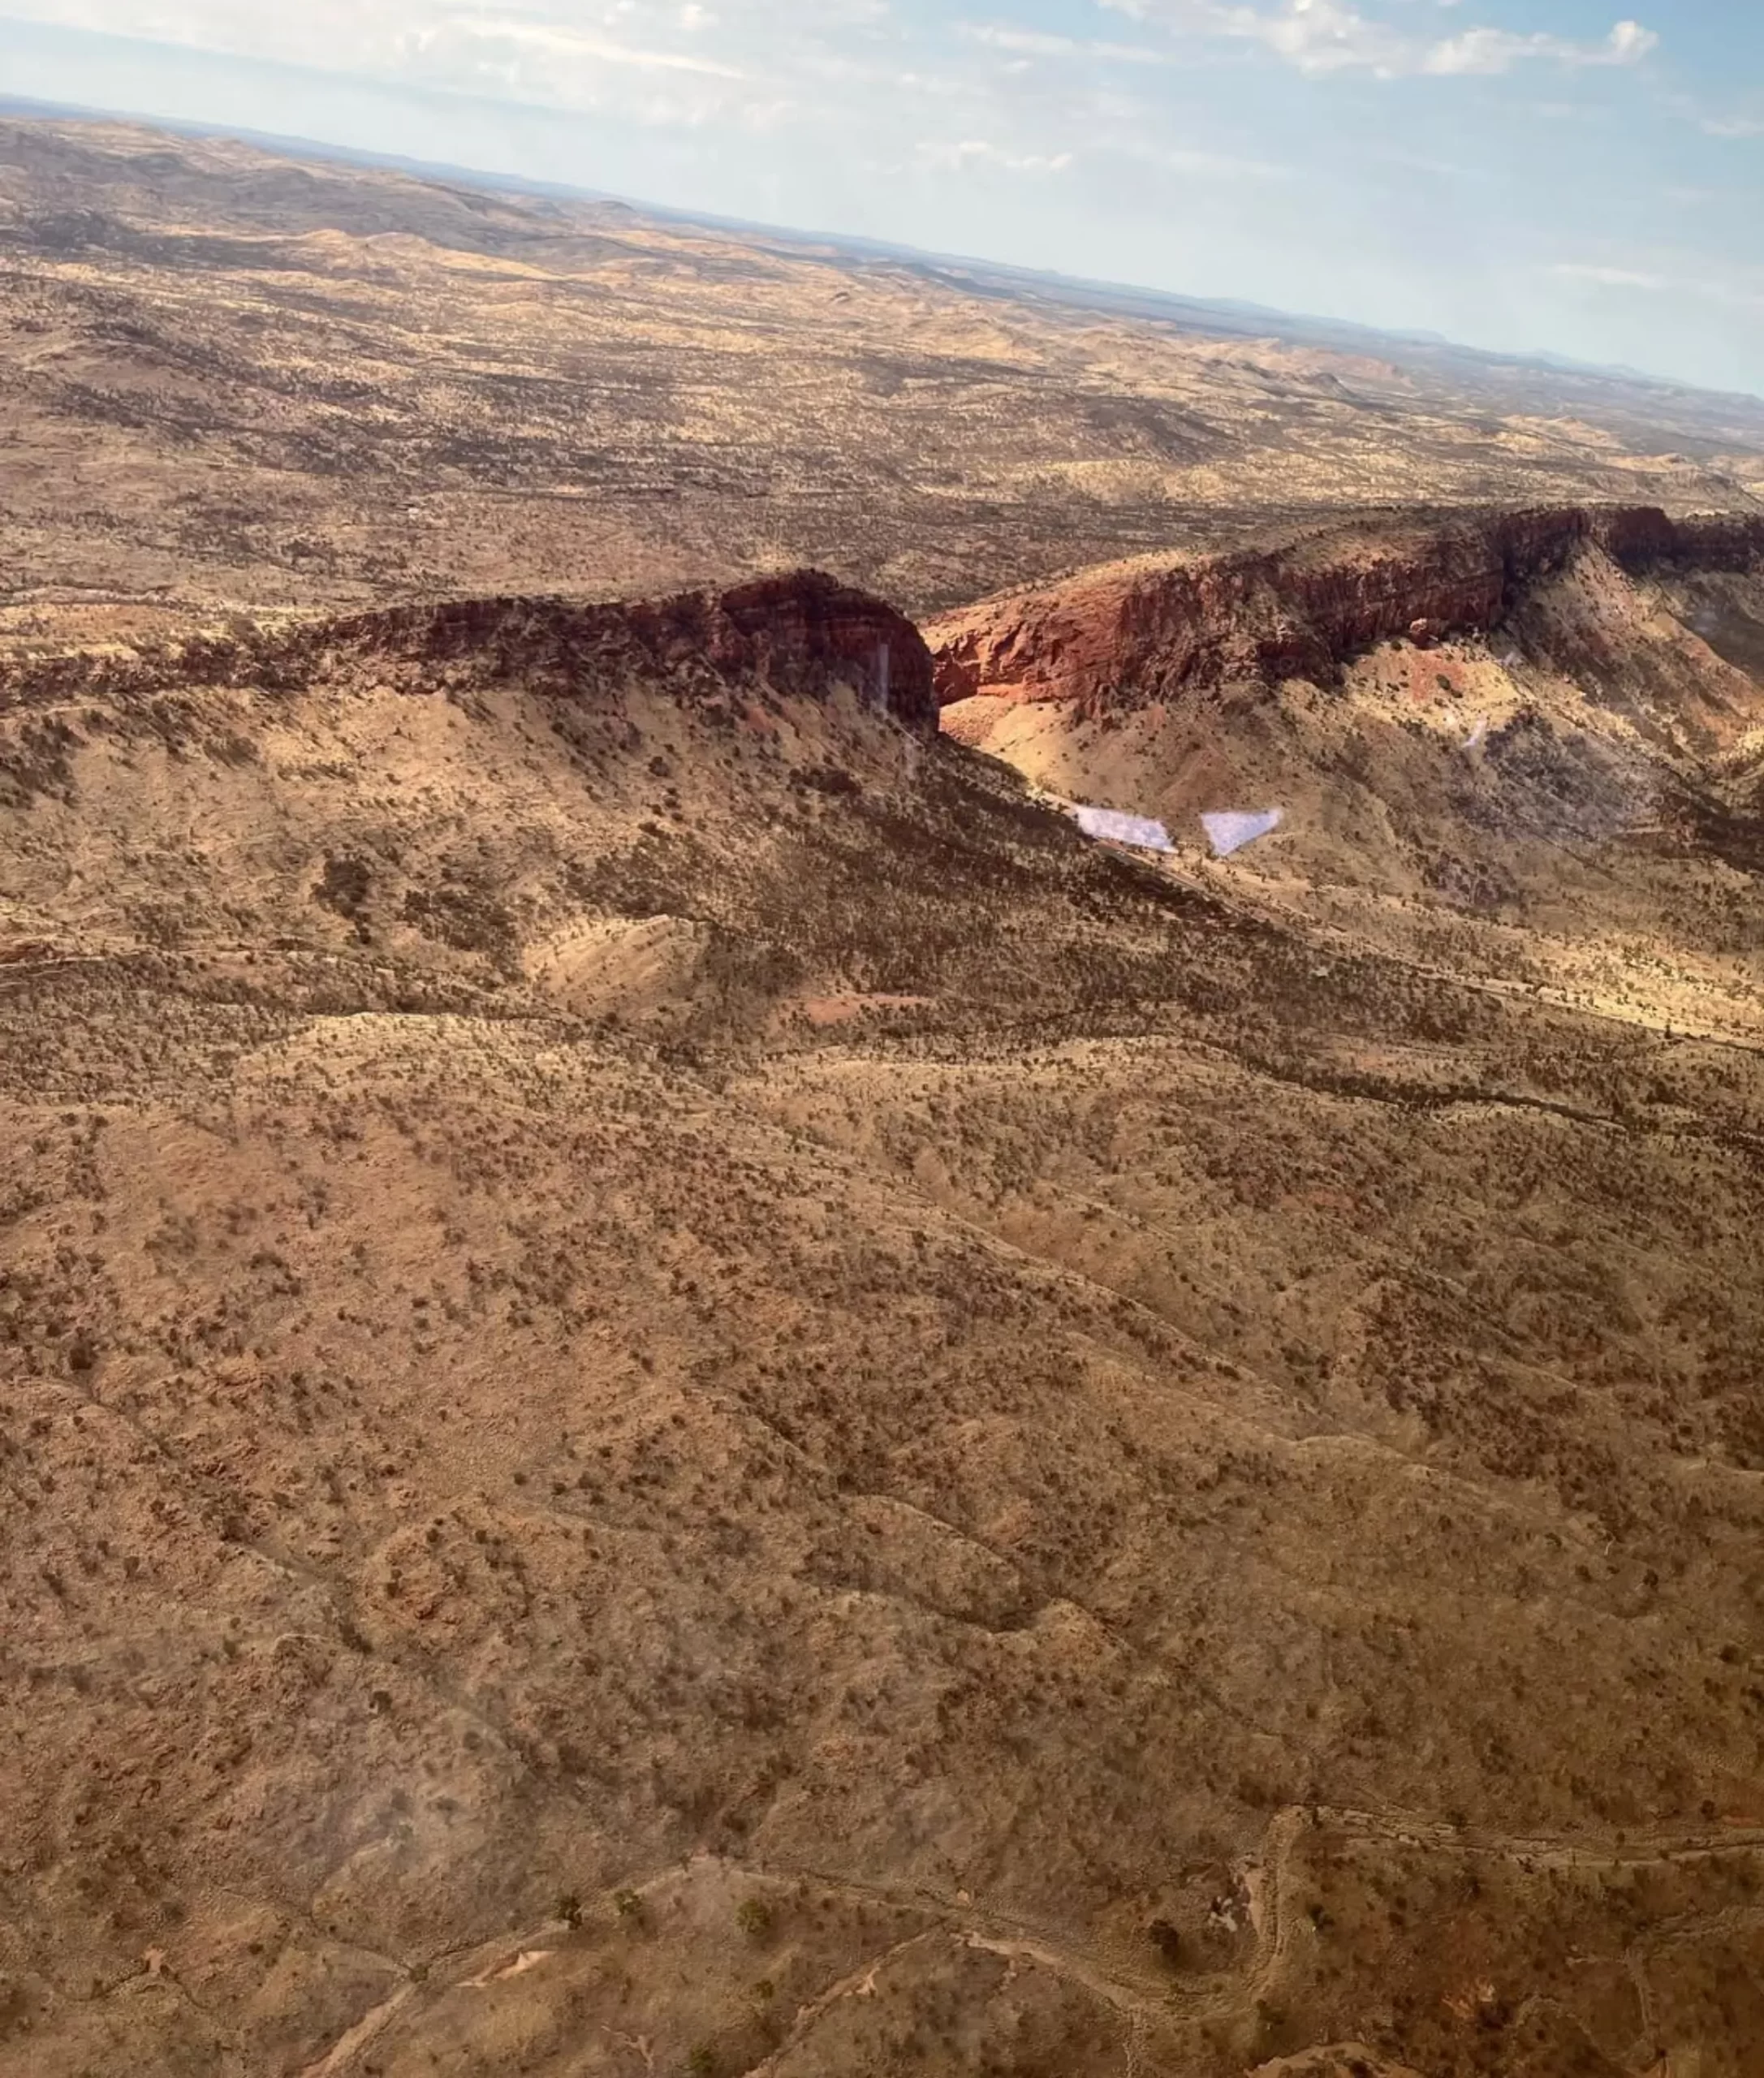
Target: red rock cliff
x,y
1142,631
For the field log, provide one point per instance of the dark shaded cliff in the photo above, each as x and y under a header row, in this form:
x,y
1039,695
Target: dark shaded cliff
x,y
802,633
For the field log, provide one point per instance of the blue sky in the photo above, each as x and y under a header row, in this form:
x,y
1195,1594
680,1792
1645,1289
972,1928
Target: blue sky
x,y
1558,175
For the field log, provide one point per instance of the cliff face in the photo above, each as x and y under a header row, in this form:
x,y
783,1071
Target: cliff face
x,y
1134,633
801,633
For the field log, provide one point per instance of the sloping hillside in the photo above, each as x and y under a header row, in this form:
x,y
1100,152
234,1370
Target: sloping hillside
x,y
685,1391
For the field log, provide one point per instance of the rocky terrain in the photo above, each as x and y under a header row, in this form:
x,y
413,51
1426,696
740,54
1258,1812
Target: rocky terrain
x,y
1307,607
682,1391
1520,745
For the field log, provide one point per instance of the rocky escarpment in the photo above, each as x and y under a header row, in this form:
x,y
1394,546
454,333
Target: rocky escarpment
x,y
1138,632
801,633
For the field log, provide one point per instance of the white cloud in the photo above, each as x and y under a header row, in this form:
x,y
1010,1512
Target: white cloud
x,y
1316,35
1498,50
572,43
477,44
1608,277
1319,36
344,35
1741,289
1327,36
1039,43
748,64
974,152
1002,92
1179,159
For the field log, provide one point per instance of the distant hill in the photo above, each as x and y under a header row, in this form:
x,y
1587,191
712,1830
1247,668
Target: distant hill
x,y
303,382
1231,317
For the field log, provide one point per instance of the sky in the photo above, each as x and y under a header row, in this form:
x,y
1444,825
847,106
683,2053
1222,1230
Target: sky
x,y
1524,175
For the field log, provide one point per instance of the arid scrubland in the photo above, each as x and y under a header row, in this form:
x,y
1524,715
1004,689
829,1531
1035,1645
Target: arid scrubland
x,y
683,1391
